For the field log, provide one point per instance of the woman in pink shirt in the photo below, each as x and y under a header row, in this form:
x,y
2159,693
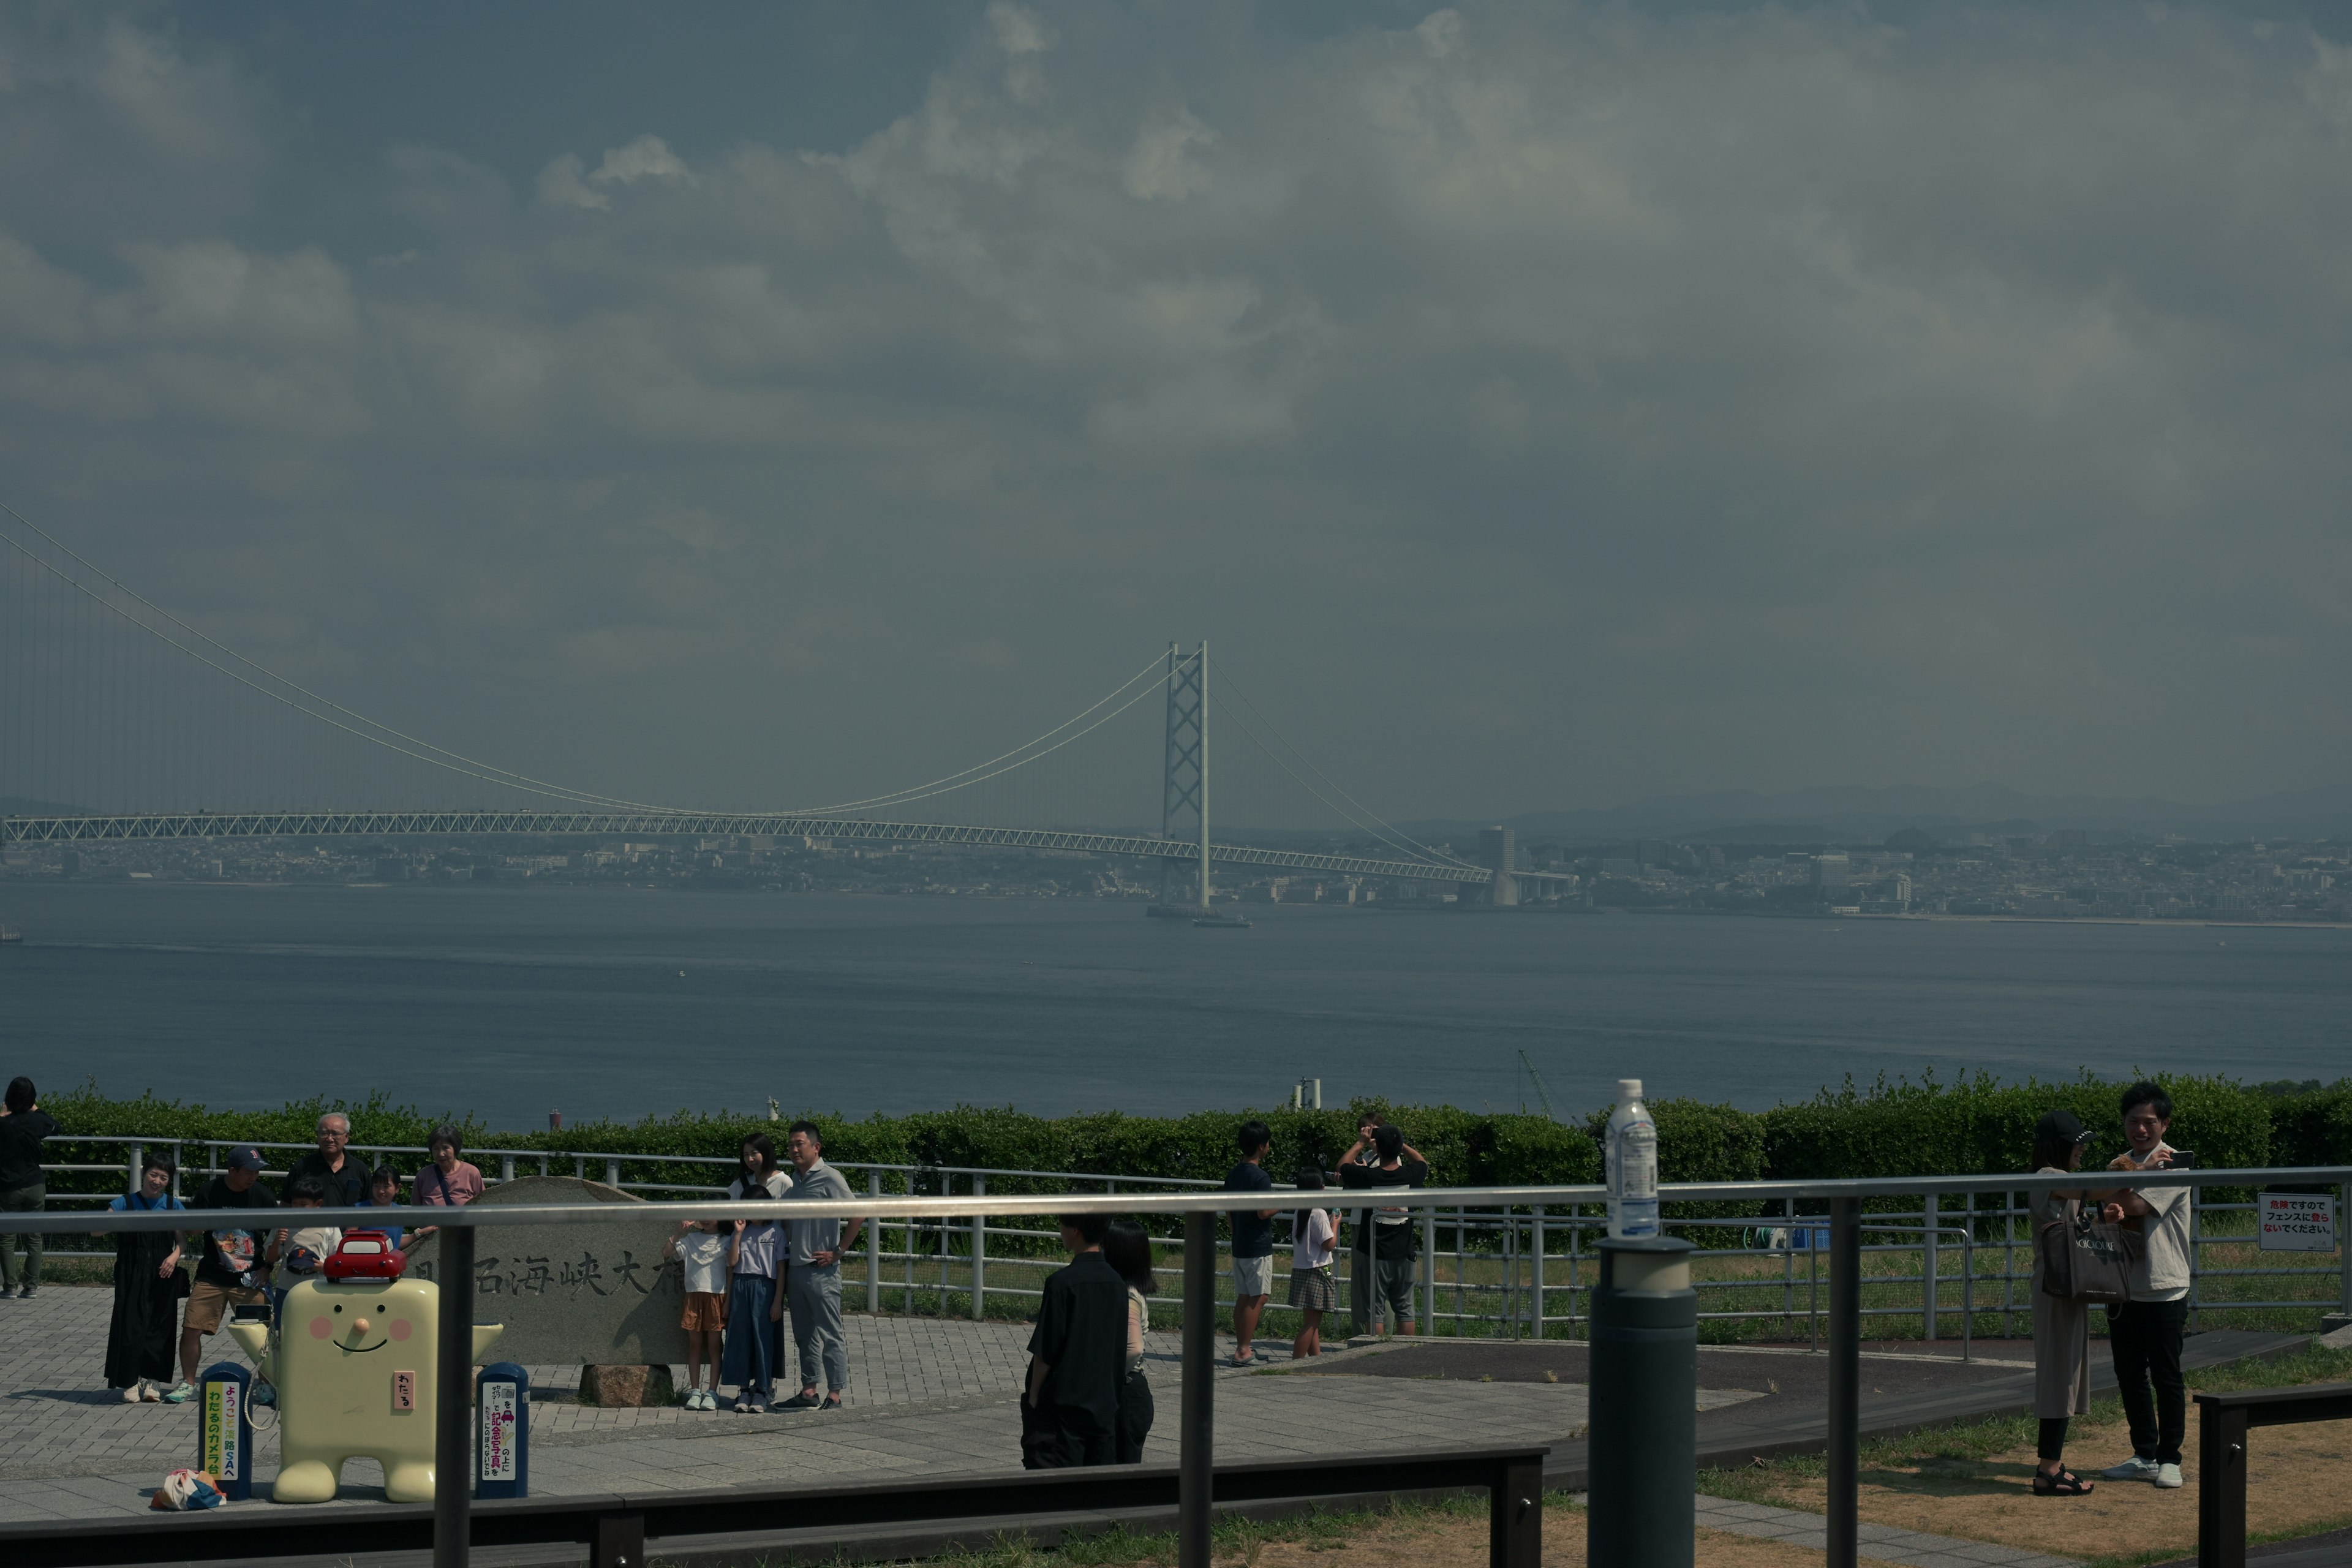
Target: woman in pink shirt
x,y
448,1182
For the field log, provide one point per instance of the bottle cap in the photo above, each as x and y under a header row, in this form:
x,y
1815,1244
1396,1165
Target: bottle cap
x,y
1629,1088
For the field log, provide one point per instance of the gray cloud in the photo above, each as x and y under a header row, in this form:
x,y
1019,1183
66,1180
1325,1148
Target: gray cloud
x,y
1537,406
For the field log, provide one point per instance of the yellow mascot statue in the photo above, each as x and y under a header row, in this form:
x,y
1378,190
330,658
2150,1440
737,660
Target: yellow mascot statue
x,y
356,1364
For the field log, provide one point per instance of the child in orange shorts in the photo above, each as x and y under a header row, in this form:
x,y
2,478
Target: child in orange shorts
x,y
700,1248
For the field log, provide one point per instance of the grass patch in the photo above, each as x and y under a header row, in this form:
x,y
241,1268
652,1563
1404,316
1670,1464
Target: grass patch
x,y
1241,1541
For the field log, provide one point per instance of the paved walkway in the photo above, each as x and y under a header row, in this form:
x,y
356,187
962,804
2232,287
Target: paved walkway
x,y
928,1395
1880,1542
938,1397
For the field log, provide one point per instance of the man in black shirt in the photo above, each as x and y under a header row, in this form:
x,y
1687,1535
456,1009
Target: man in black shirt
x,y
1253,1238
229,1268
23,1187
1362,1268
1394,1245
345,1175
1078,1357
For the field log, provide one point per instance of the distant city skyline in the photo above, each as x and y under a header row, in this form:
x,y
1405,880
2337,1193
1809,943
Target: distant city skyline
x,y
1542,410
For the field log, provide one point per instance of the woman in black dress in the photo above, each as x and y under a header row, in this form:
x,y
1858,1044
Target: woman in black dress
x,y
140,1340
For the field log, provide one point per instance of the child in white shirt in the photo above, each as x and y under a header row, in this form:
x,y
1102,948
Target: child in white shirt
x,y
1314,1290
701,1248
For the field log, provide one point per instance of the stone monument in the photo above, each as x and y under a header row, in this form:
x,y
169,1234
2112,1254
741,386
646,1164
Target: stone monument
x,y
603,1295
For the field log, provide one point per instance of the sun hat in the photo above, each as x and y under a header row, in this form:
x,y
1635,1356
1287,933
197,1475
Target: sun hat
x,y
2060,1127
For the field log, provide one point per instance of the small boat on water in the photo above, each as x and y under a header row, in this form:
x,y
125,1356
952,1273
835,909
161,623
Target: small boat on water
x,y
10,934
1223,923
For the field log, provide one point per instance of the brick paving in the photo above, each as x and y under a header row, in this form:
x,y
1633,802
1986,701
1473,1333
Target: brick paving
x,y
1880,1542
927,1396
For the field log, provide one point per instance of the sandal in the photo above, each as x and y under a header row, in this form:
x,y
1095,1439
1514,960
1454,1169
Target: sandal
x,y
2065,1483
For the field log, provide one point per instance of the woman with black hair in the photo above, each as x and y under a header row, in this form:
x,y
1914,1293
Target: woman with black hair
x,y
1127,1250
754,1344
147,1281
2061,1325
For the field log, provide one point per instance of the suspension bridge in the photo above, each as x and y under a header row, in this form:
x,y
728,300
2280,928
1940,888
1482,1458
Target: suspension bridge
x,y
109,694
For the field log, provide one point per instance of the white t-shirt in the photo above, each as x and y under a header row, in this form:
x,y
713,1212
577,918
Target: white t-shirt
x,y
757,1253
318,1242
1312,1247
702,1261
2162,1272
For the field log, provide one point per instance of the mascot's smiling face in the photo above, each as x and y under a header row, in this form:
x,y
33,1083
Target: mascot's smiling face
x,y
353,1345
357,1326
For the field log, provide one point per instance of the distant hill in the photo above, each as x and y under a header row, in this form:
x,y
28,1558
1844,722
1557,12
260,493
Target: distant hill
x,y
19,805
1852,814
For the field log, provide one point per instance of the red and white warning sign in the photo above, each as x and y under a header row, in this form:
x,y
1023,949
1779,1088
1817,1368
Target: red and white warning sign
x,y
2298,1222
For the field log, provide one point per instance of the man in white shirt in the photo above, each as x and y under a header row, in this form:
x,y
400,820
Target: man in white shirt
x,y
2144,1333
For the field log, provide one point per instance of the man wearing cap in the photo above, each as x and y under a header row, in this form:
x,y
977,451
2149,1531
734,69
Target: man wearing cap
x,y
228,1262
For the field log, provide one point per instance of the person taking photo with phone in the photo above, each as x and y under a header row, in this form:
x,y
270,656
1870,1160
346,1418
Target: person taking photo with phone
x,y
2144,1333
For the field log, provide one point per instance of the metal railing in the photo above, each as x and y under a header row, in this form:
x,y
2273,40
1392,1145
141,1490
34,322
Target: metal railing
x,y
1199,1209
1517,1273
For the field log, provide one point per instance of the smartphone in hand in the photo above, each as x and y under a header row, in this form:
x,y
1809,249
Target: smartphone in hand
x,y
2182,1160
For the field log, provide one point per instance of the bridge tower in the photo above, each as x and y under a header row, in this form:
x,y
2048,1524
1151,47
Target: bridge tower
x,y
1184,791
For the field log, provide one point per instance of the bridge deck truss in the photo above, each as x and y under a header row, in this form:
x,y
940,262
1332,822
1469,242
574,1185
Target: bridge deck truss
x,y
644,824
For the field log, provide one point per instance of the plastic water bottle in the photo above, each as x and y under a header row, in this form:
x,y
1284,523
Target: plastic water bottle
x,y
1632,1153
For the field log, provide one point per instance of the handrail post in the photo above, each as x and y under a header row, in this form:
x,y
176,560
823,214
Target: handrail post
x,y
612,1171
979,1254
1196,1427
130,1177
1968,1286
506,1168
1845,1382
873,1249
1429,1271
1930,1211
2220,1487
1536,1272
453,1410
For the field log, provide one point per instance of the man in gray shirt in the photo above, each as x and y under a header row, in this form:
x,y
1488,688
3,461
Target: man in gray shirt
x,y
813,1281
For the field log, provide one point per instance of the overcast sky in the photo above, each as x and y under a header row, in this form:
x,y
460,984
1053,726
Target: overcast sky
x,y
1537,406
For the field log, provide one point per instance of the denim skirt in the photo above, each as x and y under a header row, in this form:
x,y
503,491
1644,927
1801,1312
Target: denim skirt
x,y
752,1342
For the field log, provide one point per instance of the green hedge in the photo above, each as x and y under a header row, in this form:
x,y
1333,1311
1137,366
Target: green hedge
x,y
1975,1125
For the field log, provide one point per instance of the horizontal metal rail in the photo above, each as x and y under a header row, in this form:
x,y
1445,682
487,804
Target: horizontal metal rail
x,y
624,1526
1430,1199
932,1252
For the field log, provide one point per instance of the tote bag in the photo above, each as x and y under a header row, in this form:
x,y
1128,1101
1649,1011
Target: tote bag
x,y
2087,1259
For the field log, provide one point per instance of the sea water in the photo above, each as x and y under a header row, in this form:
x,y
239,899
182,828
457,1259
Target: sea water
x,y
511,1000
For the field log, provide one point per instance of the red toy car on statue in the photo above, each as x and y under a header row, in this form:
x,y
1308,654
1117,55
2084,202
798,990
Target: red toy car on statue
x,y
364,1254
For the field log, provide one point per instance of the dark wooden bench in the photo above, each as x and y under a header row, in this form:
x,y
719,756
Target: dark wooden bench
x,y
2222,1422
618,1528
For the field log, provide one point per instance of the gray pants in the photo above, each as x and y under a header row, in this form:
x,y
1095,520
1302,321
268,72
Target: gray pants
x,y
21,1200
814,1294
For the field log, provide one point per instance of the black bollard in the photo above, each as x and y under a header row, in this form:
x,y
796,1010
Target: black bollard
x,y
1197,1425
453,1396
1643,1434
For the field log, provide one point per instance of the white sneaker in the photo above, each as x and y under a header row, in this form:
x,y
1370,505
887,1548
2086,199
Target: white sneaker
x,y
2167,1477
2134,1468
130,1394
